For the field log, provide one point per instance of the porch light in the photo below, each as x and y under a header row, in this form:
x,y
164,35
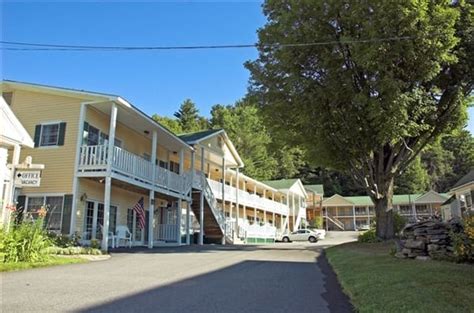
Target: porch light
x,y
146,132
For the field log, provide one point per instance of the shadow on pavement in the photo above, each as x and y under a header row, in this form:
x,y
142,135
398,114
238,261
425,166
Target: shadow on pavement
x,y
249,286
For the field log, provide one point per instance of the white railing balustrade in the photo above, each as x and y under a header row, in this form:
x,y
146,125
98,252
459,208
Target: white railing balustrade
x,y
132,166
93,157
166,232
247,199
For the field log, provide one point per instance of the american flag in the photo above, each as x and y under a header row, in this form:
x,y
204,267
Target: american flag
x,y
140,211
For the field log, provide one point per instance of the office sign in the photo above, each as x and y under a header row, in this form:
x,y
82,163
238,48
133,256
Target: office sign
x,y
28,178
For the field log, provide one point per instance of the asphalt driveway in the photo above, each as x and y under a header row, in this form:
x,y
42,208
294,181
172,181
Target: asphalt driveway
x,y
272,278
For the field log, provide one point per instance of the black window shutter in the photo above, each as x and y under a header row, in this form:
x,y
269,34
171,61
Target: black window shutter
x,y
62,132
20,209
37,135
67,208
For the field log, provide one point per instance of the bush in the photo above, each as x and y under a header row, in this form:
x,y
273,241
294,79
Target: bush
x,y
368,237
64,241
73,251
399,223
463,241
317,222
95,244
25,243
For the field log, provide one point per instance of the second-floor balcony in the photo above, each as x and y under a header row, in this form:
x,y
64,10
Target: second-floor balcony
x,y
93,161
247,199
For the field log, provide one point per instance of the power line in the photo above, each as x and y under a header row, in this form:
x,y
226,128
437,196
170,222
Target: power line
x,y
27,46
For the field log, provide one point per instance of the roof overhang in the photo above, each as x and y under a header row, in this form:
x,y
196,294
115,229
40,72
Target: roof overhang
x,y
12,131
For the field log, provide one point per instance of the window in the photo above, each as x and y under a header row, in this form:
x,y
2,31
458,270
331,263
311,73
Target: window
x,y
174,167
57,219
163,164
405,209
93,136
49,135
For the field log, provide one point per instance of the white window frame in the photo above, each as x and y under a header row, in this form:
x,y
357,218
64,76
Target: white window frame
x,y
41,134
44,196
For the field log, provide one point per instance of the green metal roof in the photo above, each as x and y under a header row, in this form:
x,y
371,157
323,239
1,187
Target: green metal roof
x,y
318,189
197,136
281,183
396,200
360,200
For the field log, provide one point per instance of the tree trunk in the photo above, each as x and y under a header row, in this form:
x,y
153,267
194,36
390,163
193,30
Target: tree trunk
x,y
384,213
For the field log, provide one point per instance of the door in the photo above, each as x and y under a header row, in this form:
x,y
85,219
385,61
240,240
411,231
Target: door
x,y
139,236
94,220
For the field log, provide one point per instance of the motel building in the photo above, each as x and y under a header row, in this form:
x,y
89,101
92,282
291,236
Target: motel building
x,y
358,212
115,176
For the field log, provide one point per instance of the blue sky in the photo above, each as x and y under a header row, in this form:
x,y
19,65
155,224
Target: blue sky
x,y
157,81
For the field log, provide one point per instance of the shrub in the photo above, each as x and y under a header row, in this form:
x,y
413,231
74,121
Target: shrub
x,y
73,251
463,241
25,243
399,223
317,222
368,237
95,244
64,241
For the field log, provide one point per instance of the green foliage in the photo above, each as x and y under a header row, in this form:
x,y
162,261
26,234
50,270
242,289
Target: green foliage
x,y
64,241
171,124
317,222
247,132
463,241
414,179
368,236
25,242
95,244
369,107
189,119
73,250
399,223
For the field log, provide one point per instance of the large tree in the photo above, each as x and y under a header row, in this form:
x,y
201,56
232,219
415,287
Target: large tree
x,y
365,85
189,118
248,133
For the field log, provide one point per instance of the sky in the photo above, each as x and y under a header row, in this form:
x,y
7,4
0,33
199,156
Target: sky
x,y
154,81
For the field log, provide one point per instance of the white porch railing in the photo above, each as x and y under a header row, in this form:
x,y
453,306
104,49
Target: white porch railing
x,y
166,232
94,159
247,199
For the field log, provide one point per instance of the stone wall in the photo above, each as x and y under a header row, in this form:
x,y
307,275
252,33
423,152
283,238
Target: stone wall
x,y
428,239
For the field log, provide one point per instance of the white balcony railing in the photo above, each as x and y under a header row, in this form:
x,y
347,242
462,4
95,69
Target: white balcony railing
x,y
93,159
247,199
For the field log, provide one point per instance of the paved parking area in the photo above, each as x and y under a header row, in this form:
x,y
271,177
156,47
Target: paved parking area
x,y
273,278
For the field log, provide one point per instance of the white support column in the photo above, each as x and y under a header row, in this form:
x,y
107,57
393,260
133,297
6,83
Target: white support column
x,y
151,196
108,179
293,211
368,215
273,215
201,205
354,217
255,215
75,182
179,211
10,190
189,202
237,204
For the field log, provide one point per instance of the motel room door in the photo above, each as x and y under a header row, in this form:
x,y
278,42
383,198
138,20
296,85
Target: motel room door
x,y
139,236
94,220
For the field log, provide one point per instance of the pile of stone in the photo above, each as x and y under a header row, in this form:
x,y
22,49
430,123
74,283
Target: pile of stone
x,y
428,239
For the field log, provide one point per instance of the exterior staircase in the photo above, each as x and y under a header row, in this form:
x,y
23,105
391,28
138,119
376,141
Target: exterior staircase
x,y
335,221
216,228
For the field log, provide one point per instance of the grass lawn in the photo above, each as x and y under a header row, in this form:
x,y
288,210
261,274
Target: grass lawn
x,y
378,282
52,260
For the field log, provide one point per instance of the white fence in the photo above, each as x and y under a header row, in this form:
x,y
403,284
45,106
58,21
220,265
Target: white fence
x,y
247,199
135,167
166,232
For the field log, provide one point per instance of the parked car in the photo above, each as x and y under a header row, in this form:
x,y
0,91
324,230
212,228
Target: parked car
x,y
301,235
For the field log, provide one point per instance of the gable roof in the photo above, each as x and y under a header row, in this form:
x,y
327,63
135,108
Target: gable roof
x,y
337,200
195,137
281,183
317,189
428,197
12,131
466,179
93,96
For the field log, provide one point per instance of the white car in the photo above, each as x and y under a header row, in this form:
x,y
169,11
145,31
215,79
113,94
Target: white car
x,y
301,235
